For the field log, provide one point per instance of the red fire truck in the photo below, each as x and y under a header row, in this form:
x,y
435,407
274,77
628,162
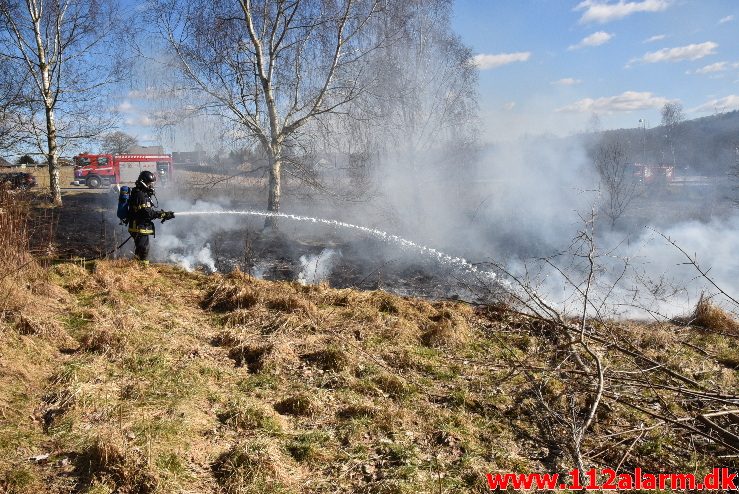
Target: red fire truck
x,y
654,174
102,170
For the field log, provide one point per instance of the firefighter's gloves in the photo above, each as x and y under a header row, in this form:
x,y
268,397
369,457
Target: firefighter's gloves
x,y
167,215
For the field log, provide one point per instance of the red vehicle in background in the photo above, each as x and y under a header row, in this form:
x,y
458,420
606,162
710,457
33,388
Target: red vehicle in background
x,y
103,170
654,174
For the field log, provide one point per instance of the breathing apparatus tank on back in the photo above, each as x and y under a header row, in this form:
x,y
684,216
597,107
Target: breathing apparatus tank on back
x,y
123,210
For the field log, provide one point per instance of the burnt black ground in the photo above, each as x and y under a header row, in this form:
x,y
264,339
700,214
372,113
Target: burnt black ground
x,y
86,227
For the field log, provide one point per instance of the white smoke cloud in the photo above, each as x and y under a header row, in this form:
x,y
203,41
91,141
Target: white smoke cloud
x,y
713,245
186,241
644,276
259,270
194,258
523,200
317,268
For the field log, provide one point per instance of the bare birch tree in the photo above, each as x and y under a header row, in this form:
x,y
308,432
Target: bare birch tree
x,y
617,179
427,93
118,142
12,100
59,46
419,119
271,67
672,117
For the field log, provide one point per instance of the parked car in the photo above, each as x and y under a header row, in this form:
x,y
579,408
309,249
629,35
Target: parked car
x,y
18,180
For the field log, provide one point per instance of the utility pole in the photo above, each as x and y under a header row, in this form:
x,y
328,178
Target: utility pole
x,y
643,123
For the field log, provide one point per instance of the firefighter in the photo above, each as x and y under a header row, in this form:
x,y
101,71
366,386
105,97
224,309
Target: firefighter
x,y
142,214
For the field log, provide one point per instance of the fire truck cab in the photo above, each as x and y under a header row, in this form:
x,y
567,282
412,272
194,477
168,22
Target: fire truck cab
x,y
103,170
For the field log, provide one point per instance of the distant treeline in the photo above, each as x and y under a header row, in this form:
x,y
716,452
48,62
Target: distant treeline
x,y
704,146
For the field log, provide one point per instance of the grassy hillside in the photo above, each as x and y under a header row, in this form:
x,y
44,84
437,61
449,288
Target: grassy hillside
x,y
118,378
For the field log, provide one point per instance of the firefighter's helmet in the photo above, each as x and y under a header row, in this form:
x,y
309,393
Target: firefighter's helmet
x,y
147,179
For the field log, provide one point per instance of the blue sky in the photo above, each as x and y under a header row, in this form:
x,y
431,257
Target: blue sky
x,y
547,65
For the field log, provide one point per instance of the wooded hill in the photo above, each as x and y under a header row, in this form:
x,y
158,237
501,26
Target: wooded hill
x,y
703,146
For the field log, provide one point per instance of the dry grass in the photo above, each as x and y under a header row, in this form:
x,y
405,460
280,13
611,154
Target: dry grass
x,y
20,275
251,416
301,404
357,411
238,291
710,316
652,338
236,385
393,385
330,358
256,466
259,357
27,324
103,340
15,232
66,175
109,458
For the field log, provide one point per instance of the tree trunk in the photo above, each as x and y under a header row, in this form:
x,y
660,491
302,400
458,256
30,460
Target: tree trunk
x,y
47,93
275,190
52,158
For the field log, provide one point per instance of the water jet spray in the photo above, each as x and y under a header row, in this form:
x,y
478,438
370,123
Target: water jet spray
x,y
441,257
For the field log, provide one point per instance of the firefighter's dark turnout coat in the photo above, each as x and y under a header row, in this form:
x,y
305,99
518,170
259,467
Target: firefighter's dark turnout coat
x,y
141,224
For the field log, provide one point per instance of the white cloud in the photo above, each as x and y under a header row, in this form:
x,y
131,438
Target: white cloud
x,y
509,105
567,81
726,19
140,121
719,105
125,107
594,39
677,54
624,102
711,69
656,37
602,11
485,61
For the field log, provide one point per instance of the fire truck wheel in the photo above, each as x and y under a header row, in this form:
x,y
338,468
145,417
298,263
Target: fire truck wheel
x,y
94,182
